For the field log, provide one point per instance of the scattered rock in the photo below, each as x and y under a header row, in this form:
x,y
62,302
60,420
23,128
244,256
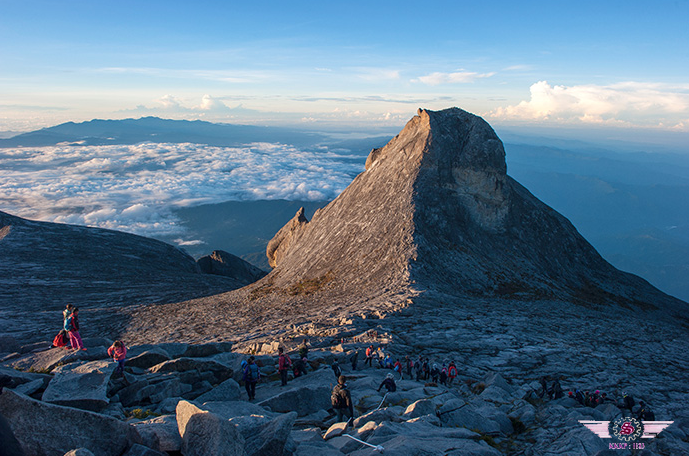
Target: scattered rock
x,y
207,434
303,400
81,385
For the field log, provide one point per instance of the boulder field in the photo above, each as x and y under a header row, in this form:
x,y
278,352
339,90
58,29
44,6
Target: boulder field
x,y
183,399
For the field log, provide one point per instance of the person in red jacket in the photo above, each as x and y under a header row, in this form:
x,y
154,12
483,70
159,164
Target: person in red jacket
x,y
369,356
118,351
284,363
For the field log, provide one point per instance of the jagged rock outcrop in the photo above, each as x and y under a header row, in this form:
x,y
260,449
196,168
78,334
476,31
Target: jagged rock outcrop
x,y
283,240
228,265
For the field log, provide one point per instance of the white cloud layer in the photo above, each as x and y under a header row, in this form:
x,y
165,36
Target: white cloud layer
x,y
135,188
623,104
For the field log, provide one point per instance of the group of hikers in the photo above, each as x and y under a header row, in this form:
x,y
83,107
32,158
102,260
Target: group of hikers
x,y
596,398
69,334
69,337
421,369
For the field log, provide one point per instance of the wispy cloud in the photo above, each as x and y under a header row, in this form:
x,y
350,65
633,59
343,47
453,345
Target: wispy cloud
x,y
458,77
627,104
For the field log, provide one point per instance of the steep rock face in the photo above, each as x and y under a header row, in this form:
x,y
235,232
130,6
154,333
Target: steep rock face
x,y
435,207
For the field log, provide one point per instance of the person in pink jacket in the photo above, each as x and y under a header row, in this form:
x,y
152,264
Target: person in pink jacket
x,y
118,351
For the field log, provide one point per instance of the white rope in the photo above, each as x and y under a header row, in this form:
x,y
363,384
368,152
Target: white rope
x,y
375,447
381,402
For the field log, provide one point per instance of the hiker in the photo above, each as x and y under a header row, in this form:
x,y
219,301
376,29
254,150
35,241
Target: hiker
x,y
369,356
336,369
627,402
284,363
426,369
72,327
380,356
341,400
389,383
645,413
397,367
451,373
61,340
300,367
604,398
118,351
579,397
252,374
67,312
418,368
409,365
303,349
557,390
389,364
435,373
443,375
9,445
354,359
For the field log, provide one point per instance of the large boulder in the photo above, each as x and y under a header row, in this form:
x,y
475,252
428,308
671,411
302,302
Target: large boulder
x,y
420,408
220,371
226,391
304,400
149,358
141,450
160,433
271,437
83,385
47,429
44,361
206,434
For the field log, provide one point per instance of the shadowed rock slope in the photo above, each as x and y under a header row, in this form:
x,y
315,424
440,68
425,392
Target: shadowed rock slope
x,y
44,266
433,214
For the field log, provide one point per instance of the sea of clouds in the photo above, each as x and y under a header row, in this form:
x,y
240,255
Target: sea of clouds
x,y
135,188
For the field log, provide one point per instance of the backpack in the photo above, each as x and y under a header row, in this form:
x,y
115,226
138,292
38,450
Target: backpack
x,y
452,372
337,399
254,373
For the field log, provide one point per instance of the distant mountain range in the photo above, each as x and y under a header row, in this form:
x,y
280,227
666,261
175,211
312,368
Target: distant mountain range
x,y
153,129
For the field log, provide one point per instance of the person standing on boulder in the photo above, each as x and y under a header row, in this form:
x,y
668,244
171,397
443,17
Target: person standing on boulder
x,y
341,400
354,359
252,374
284,363
72,326
118,351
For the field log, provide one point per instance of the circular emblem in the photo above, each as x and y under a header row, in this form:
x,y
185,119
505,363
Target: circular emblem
x,y
627,429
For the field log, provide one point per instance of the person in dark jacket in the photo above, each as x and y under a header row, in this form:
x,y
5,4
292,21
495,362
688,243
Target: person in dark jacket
x,y
341,400
252,374
389,383
354,359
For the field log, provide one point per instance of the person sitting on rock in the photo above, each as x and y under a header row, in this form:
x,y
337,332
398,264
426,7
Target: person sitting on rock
x,y
645,413
341,400
252,374
284,363
557,390
451,373
387,362
118,351
389,383
628,403
300,367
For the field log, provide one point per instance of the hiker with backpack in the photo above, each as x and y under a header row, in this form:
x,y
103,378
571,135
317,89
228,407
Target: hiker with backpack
x,y
389,383
252,374
451,373
443,375
369,356
645,413
426,369
72,327
418,368
304,349
409,365
341,400
284,363
435,373
299,367
397,367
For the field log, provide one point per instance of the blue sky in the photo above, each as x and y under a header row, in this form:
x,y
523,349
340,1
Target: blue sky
x,y
611,64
